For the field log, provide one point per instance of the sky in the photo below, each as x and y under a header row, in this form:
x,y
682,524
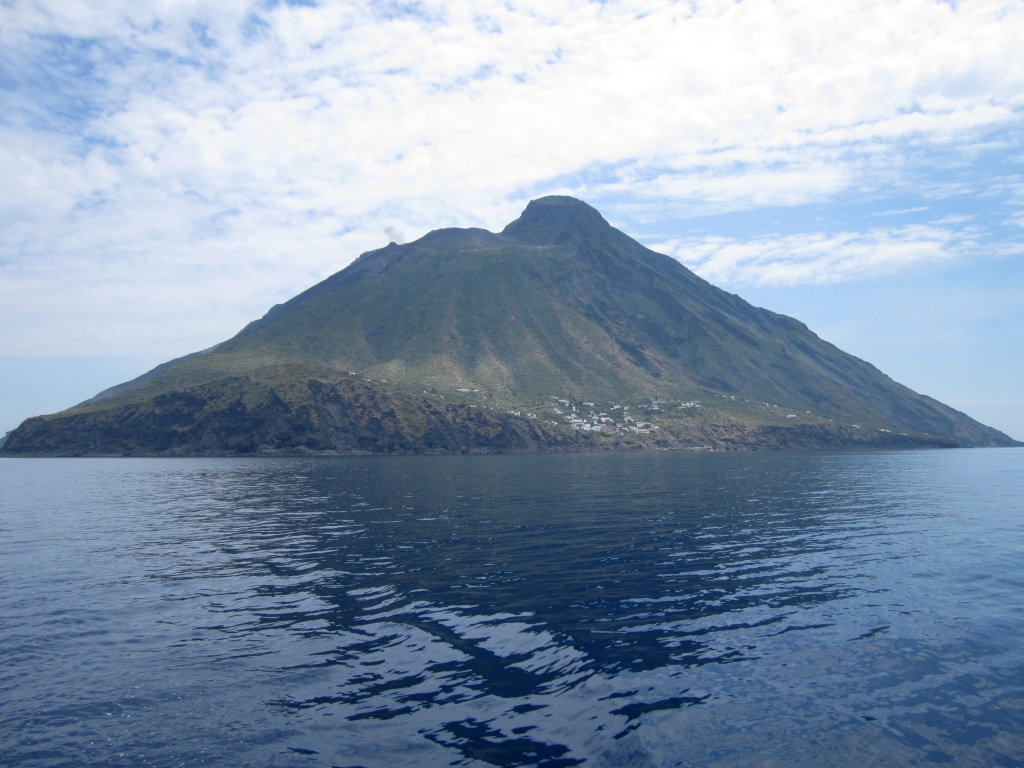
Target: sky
x,y
170,169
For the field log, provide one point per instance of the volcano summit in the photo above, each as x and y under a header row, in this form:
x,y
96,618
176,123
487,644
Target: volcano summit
x,y
560,333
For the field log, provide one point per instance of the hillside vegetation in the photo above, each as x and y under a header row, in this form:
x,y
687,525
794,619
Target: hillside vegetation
x,y
468,340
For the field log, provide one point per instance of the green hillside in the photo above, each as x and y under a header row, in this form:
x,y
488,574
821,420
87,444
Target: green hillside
x,y
558,306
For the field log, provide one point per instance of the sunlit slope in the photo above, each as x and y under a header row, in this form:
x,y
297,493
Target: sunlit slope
x,y
557,304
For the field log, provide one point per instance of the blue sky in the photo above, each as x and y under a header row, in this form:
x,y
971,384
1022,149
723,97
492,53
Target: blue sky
x,y
171,169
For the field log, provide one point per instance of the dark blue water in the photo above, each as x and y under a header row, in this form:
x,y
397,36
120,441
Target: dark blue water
x,y
634,610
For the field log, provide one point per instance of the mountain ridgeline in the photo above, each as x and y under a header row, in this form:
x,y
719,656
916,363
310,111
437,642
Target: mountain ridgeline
x,y
560,333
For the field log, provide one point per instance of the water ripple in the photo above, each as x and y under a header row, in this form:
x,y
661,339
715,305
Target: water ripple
x,y
620,610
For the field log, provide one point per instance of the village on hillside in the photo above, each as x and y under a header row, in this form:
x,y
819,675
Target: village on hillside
x,y
617,420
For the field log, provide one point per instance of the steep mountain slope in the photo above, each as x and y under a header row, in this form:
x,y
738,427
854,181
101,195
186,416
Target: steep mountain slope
x,y
557,304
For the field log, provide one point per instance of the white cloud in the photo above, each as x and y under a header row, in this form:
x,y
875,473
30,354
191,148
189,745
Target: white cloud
x,y
815,258
218,150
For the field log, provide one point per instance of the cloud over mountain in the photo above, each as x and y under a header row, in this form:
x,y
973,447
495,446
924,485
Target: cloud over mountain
x,y
238,149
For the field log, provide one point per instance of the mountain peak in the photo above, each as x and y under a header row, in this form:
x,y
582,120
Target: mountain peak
x,y
458,342
553,218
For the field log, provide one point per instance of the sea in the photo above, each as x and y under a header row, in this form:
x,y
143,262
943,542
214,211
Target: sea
x,y
656,609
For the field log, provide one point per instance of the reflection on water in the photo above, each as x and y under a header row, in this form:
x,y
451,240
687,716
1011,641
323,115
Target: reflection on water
x,y
798,609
